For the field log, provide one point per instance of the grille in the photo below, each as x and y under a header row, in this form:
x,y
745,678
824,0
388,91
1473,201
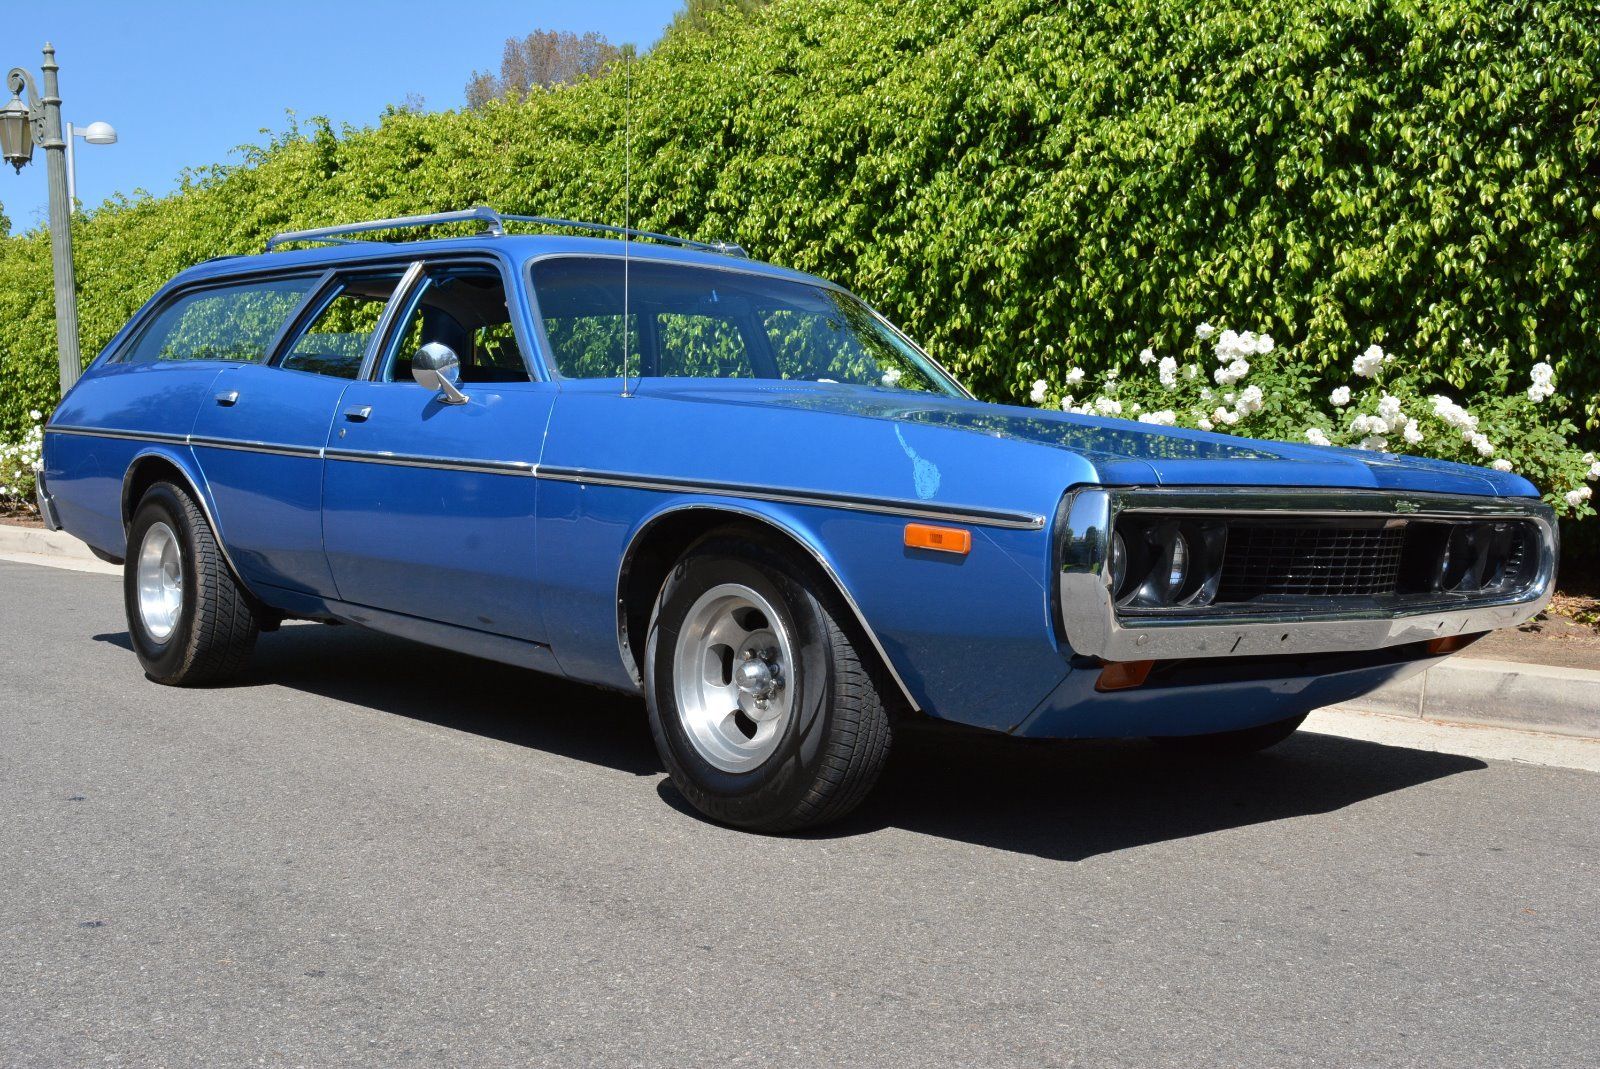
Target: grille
x,y
1322,560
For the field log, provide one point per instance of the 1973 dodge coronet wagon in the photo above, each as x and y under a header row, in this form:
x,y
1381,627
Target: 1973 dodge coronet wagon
x,y
657,466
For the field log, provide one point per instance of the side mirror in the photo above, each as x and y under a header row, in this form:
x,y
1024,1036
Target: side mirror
x,y
436,367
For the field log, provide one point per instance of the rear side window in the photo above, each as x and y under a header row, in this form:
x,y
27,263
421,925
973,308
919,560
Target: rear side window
x,y
220,322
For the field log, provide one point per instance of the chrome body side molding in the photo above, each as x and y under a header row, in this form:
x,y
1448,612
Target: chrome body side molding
x,y
922,510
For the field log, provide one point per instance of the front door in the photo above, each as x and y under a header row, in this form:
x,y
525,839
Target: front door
x,y
428,507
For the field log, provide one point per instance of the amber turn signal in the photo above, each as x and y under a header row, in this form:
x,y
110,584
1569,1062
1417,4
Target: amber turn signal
x,y
1440,646
1123,675
939,539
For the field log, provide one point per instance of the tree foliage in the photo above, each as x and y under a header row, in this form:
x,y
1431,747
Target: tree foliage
x,y
1025,185
540,60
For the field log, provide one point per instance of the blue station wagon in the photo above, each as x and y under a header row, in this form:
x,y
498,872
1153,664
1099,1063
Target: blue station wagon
x,y
657,466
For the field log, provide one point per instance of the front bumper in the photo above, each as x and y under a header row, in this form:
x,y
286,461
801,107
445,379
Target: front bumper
x,y
46,504
1093,626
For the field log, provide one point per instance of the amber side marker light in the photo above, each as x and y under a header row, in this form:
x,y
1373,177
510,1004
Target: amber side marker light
x,y
1440,646
939,539
1124,675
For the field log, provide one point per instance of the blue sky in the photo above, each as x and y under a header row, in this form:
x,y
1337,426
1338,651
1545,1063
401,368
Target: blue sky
x,y
186,82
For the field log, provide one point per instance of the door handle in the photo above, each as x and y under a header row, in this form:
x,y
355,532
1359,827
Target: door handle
x,y
228,398
358,413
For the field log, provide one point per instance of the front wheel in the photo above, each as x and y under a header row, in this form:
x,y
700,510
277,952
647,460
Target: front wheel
x,y
763,709
1232,743
189,620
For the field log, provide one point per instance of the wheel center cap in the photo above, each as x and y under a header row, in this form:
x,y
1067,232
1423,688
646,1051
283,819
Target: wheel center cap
x,y
755,678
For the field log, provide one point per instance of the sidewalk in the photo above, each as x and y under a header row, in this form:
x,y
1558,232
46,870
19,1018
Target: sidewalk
x,y
1461,690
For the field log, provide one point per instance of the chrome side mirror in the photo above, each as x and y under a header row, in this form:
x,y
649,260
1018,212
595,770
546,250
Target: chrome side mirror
x,y
436,367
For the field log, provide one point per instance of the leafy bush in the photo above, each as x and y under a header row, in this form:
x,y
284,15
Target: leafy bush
x,y
1025,185
1246,383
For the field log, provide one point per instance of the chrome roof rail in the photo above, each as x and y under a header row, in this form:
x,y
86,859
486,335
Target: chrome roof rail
x,y
494,225
332,233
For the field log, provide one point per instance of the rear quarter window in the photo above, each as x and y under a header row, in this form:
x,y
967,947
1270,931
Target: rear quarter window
x,y
228,322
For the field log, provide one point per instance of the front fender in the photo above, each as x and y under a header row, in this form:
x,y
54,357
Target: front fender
x,y
965,638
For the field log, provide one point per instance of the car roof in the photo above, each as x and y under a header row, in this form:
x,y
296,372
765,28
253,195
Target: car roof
x,y
518,247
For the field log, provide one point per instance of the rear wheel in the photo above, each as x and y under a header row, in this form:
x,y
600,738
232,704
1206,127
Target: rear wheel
x,y
189,620
1232,743
763,708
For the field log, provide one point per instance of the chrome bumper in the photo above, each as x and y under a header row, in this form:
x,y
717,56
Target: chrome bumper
x,y
46,504
1092,625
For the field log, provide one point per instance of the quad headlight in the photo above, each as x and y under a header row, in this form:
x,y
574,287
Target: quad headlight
x,y
1160,562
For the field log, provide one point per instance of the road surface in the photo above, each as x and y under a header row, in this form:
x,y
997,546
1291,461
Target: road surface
x,y
371,853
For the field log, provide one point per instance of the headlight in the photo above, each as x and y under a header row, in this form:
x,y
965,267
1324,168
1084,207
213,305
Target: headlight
x,y
1119,565
1160,562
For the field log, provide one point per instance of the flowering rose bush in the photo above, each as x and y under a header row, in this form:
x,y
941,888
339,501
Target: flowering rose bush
x,y
19,464
1242,382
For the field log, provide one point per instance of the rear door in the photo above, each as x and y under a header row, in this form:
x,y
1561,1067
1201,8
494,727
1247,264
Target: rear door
x,y
259,434
428,507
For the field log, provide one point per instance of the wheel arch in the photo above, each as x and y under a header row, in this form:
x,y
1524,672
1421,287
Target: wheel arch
x,y
658,542
156,465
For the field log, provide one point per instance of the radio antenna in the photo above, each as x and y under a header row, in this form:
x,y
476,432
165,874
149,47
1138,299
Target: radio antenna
x,y
627,204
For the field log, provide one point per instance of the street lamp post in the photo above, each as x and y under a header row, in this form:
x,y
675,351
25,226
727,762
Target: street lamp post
x,y
38,122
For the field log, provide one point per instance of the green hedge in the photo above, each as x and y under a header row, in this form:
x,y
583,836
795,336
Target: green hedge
x,y
1023,184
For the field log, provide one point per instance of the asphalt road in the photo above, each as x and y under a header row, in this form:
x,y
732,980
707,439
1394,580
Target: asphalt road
x,y
370,853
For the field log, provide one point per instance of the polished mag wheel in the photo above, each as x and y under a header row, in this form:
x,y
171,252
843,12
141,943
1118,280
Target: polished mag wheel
x,y
189,620
160,579
732,671
766,706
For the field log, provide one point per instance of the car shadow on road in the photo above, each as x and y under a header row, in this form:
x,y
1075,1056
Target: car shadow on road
x,y
1059,800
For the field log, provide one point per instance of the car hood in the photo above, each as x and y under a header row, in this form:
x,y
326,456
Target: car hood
x,y
1124,451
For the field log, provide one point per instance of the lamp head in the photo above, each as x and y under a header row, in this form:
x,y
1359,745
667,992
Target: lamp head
x,y
100,133
16,135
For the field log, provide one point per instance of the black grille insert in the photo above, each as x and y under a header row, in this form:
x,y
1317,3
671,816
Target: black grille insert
x,y
1296,560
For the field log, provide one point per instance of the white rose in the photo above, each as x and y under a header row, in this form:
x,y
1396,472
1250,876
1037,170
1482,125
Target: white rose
x,y
1265,345
1501,465
1164,418
1066,403
1108,406
1204,424
1147,356
35,415
1190,371
1315,436
1075,376
1205,331
1341,396
1375,443
1578,496
1542,372
1594,470
1412,432
1482,444
1167,370
1036,395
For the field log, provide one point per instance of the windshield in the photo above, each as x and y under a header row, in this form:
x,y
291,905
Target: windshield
x,y
700,322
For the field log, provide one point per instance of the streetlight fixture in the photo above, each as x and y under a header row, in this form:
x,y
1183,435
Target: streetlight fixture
x,y
96,133
38,122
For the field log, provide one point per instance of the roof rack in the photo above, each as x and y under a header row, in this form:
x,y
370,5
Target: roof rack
x,y
494,225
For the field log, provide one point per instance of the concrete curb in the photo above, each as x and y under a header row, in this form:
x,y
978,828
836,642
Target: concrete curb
x,y
1503,694
1507,694
57,546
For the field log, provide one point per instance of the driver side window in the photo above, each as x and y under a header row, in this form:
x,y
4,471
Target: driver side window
x,y
462,306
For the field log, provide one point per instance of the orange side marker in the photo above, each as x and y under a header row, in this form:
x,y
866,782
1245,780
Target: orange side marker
x,y
1123,675
939,539
1450,644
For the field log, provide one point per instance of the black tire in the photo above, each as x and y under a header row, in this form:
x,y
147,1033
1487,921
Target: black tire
x,y
1224,744
830,751
216,627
